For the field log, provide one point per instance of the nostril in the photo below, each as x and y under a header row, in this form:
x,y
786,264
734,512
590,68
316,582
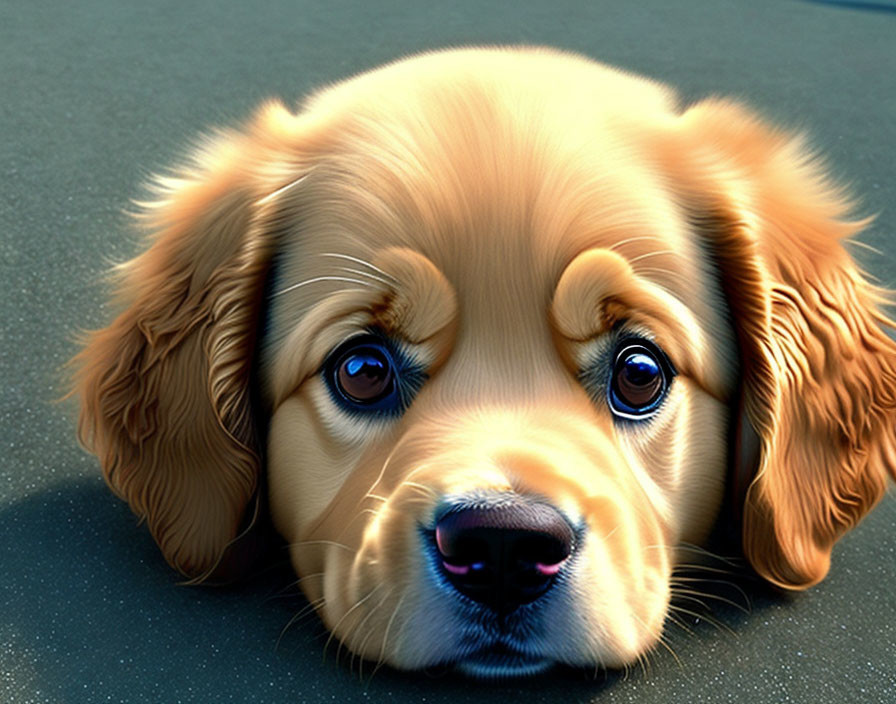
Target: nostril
x,y
456,569
549,569
503,556
464,550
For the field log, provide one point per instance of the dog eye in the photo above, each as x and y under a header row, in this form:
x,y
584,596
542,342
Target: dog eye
x,y
363,374
639,380
371,375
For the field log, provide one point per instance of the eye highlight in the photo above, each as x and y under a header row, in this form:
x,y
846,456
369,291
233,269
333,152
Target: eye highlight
x,y
370,375
640,377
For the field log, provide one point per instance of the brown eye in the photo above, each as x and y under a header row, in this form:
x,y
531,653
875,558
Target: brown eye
x,y
364,374
372,376
639,381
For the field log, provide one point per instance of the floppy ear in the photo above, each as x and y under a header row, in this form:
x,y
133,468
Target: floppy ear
x,y
818,372
166,393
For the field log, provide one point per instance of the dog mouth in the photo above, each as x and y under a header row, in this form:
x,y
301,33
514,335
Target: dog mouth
x,y
501,660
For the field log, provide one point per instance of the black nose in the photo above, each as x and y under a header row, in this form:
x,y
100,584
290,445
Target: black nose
x,y
503,556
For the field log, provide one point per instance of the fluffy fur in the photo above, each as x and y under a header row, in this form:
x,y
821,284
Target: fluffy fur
x,y
498,213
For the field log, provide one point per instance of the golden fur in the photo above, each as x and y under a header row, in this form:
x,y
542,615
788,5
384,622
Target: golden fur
x,y
500,212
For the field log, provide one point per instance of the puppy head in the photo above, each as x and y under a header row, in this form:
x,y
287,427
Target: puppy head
x,y
507,307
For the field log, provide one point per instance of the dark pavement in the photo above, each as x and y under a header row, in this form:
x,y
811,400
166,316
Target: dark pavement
x,y
97,94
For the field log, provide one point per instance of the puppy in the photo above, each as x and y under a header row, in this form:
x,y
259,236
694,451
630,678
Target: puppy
x,y
500,329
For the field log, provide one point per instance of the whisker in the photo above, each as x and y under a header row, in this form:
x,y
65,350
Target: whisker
x,y
685,577
322,542
422,467
610,534
678,580
356,605
282,189
425,489
656,270
643,661
295,583
705,568
662,641
677,589
351,662
598,666
709,619
689,597
651,254
354,518
317,279
379,477
681,624
733,561
689,593
382,658
309,608
865,245
363,643
368,275
617,245
400,635
369,493
359,261
358,514
421,497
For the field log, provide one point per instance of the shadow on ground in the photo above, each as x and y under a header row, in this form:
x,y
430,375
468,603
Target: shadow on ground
x,y
92,612
886,7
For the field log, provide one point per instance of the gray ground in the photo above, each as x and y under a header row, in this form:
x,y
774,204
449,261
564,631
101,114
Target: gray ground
x,y
96,94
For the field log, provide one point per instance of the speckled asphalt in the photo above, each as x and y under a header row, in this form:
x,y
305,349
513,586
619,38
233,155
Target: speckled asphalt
x,y
96,94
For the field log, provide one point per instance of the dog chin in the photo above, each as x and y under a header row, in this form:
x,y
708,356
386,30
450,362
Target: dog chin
x,y
499,661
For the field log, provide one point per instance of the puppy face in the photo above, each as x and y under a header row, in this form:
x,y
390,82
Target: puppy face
x,y
503,261
511,309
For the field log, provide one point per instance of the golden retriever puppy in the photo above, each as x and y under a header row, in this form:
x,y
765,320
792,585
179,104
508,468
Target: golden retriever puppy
x,y
495,331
